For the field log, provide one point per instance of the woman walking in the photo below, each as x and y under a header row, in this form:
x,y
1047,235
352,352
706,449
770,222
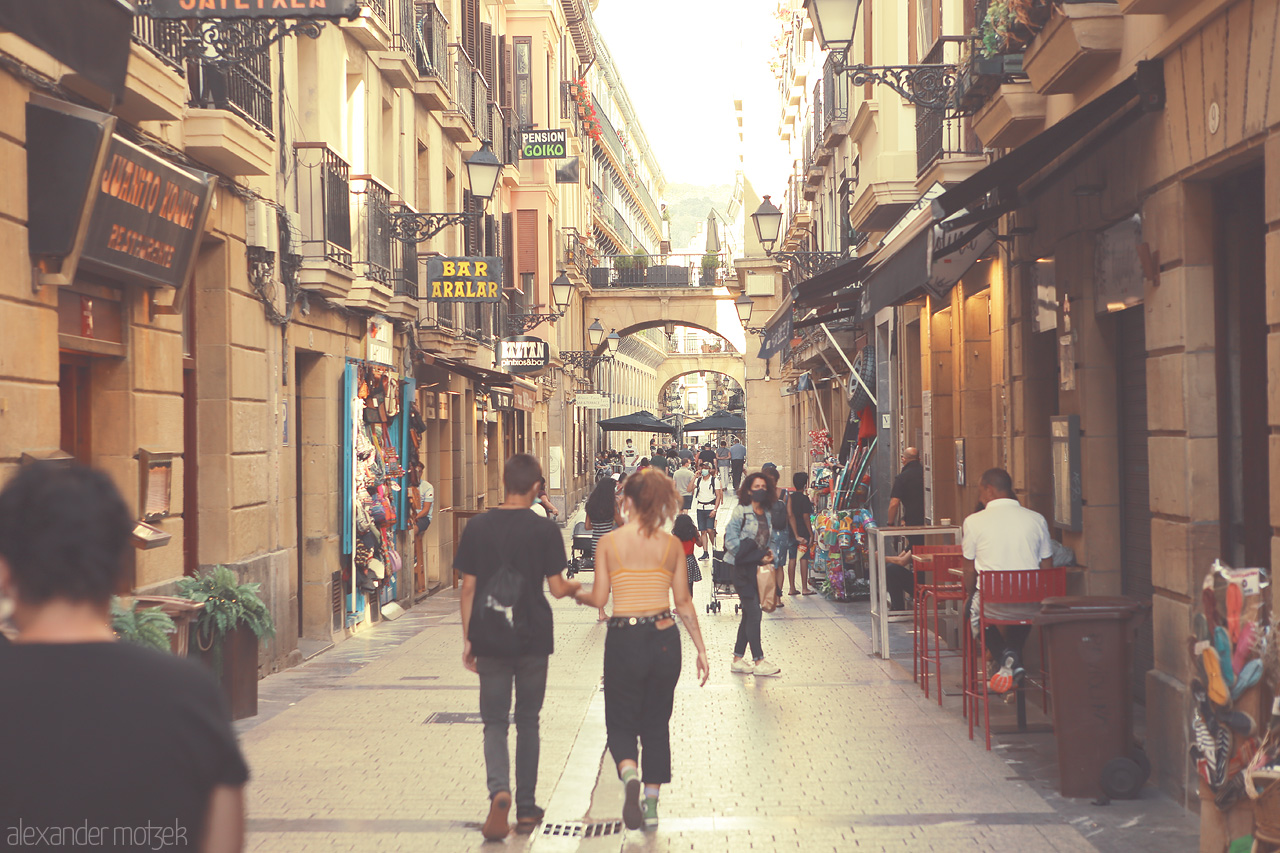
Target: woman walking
x,y
602,516
746,546
644,567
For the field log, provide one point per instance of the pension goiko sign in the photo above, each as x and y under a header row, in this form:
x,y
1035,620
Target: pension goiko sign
x,y
544,144
464,279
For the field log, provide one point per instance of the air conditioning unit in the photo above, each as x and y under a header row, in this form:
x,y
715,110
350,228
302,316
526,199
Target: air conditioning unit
x,y
261,228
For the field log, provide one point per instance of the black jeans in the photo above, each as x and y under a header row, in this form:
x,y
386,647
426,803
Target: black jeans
x,y
529,673
735,468
898,581
744,583
641,668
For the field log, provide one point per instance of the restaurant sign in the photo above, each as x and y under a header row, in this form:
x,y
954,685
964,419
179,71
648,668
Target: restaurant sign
x,y
592,401
502,399
253,9
148,217
525,396
544,144
464,279
523,354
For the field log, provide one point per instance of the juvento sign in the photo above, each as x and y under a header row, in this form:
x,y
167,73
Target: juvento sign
x,y
544,144
254,9
464,279
523,354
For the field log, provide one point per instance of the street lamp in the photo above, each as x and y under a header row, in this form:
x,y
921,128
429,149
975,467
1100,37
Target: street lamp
x,y
928,86
595,334
561,294
613,341
587,359
483,168
744,305
768,222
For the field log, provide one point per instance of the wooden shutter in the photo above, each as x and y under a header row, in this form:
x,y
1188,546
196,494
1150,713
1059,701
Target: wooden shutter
x,y
485,59
507,239
471,27
526,244
504,84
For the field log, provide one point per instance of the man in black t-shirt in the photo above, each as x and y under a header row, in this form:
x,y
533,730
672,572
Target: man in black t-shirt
x,y
906,507
707,454
513,535
800,510
108,746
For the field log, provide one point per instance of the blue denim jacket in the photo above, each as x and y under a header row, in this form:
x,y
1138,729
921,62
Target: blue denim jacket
x,y
744,523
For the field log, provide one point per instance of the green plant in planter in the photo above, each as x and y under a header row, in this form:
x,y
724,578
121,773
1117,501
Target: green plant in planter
x,y
996,28
710,263
228,604
639,260
149,627
623,262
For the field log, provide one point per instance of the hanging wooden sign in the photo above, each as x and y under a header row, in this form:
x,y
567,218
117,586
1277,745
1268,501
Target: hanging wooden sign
x,y
464,280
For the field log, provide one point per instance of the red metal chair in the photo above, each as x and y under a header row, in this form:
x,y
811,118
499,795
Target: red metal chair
x,y
938,591
939,585
1029,586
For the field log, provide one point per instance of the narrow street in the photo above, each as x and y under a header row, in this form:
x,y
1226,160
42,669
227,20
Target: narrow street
x,y
376,745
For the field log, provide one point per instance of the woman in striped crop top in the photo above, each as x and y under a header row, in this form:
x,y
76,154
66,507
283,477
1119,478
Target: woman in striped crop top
x,y
644,567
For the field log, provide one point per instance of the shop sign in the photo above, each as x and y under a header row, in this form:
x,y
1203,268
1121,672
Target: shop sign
x,y
544,144
464,279
147,217
254,9
777,336
524,397
502,399
523,354
592,401
378,344
442,410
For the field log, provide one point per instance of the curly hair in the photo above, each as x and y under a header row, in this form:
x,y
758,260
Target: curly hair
x,y
653,494
600,504
744,491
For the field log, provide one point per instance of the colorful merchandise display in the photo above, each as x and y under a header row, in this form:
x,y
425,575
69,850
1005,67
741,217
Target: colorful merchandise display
x,y
838,559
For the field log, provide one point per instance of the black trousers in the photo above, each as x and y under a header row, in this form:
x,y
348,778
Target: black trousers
x,y
641,668
749,624
735,468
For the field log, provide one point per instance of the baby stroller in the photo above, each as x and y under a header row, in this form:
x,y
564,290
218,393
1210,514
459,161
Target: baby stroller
x,y
721,583
582,555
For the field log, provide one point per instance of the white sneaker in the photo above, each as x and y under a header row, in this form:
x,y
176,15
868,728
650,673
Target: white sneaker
x,y
763,667
742,666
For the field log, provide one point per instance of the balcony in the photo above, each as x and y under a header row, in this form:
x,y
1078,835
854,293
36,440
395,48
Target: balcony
x,y
371,204
404,276
399,65
835,104
1011,116
576,255
373,29
154,88
243,90
639,270
431,53
467,119
506,141
324,206
1080,40
946,150
821,153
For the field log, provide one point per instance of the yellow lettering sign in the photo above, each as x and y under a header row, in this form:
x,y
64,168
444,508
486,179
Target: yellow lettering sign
x,y
464,268
482,269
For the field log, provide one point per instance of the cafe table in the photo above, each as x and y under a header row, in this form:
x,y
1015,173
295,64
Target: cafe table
x,y
877,540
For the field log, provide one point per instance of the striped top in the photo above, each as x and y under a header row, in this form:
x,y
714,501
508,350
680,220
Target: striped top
x,y
598,529
641,589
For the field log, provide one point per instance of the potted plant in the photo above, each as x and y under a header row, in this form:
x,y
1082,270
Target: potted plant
x,y
227,631
631,268
710,263
149,627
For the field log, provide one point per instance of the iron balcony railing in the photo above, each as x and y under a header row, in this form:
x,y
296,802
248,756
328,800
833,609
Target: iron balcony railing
x,y
161,37
506,145
610,135
480,105
936,135
577,251
372,202
404,29
819,114
244,88
432,51
324,202
379,8
471,97
638,270
835,94
404,265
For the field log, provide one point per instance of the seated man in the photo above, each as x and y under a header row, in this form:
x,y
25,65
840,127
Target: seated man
x,y
906,507
1004,536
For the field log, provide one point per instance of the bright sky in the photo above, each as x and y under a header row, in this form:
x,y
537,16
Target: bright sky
x,y
684,62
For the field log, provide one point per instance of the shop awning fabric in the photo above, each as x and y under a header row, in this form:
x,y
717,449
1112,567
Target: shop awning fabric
x,y
816,290
641,421
480,375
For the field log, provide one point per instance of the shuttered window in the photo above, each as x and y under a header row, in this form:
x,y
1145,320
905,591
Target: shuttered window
x,y
486,59
524,80
471,28
526,246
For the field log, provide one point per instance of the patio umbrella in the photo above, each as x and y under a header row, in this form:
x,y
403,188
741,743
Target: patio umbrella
x,y
721,420
641,421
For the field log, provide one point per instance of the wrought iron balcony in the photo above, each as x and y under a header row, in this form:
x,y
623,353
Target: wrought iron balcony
x,y
432,49
835,99
163,38
324,203
373,228
243,88
404,269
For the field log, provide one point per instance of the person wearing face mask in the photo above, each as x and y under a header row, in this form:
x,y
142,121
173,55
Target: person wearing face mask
x,y
746,541
708,492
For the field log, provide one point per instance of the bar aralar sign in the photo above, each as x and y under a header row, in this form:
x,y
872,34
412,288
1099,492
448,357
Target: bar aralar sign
x,y
147,219
464,279
253,9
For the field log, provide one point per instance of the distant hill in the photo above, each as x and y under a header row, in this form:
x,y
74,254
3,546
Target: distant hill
x,y
689,204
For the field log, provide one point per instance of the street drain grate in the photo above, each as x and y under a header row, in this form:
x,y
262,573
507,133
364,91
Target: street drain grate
x,y
578,829
453,717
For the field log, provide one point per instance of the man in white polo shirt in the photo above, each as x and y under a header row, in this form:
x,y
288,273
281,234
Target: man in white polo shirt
x,y
1004,536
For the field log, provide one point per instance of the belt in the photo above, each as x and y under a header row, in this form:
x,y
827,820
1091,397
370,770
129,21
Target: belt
x,y
638,621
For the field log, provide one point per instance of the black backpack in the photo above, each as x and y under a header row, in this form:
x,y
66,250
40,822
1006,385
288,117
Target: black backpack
x,y
778,514
499,624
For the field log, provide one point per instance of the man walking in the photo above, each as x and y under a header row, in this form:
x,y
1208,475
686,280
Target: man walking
x,y
1004,536
737,459
510,540
708,492
683,478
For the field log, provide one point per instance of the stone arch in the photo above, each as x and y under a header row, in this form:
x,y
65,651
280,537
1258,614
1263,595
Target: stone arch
x,y
677,365
634,309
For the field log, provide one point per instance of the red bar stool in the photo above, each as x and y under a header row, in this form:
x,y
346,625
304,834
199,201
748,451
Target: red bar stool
x,y
1030,586
936,592
920,640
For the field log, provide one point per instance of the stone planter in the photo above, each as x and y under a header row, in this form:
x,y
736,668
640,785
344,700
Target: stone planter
x,y
1011,116
1080,40
239,675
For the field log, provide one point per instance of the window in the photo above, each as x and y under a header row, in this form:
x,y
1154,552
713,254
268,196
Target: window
x,y
524,80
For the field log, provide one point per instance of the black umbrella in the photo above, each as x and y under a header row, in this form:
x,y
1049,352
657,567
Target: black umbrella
x,y
635,422
721,420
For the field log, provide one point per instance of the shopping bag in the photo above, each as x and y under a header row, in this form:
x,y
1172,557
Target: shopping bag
x,y
767,583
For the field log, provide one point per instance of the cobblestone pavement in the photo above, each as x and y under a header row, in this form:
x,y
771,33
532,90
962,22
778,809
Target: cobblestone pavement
x,y
840,752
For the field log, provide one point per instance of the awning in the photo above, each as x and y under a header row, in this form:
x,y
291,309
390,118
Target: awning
x,y
1141,93
480,375
829,317
91,36
812,291
777,333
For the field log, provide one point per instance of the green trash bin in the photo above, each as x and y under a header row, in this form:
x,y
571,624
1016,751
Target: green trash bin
x,y
1089,641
